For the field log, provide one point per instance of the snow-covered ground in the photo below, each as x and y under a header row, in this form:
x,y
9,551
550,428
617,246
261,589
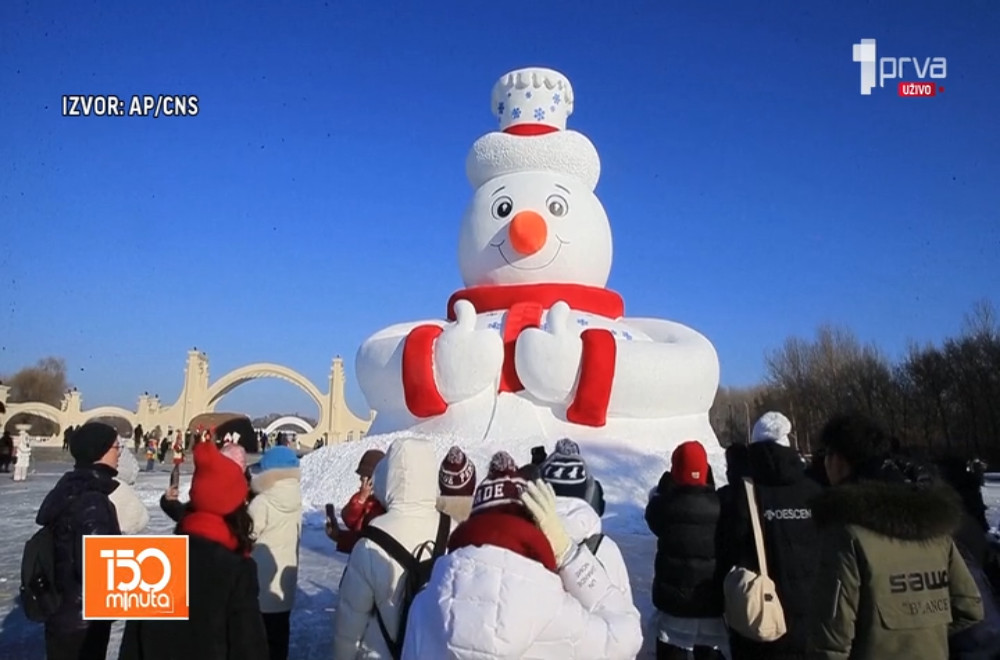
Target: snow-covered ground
x,y
627,473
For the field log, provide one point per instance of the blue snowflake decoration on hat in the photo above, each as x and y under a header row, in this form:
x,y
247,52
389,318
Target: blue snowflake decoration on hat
x,y
515,113
527,95
500,107
539,114
556,99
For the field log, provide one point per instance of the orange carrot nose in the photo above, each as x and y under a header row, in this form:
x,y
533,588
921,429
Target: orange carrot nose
x,y
528,233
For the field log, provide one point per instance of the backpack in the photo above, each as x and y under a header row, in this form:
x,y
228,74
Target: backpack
x,y
417,572
752,606
39,596
593,543
594,495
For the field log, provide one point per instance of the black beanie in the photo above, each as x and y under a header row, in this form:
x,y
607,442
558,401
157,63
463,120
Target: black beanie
x,y
566,474
92,441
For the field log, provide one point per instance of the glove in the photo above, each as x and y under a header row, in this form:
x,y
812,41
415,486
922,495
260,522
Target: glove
x,y
541,502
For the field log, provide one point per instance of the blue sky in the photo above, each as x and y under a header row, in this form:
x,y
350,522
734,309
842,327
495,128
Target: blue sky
x,y
753,192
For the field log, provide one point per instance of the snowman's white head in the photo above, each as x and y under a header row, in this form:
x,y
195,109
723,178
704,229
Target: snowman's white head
x,y
534,217
534,227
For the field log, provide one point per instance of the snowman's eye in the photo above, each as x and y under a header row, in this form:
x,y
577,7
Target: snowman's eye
x,y
557,205
502,207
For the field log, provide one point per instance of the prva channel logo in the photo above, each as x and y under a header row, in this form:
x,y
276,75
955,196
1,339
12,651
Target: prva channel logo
x,y
135,577
924,73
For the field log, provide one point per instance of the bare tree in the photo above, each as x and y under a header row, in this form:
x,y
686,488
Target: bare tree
x,y
45,382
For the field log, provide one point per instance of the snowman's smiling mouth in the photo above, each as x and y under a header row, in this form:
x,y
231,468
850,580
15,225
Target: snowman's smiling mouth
x,y
499,247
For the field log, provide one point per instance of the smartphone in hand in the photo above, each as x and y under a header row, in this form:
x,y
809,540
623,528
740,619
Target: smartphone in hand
x,y
175,476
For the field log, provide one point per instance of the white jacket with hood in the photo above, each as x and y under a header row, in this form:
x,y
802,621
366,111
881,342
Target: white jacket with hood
x,y
582,522
277,523
488,603
130,510
405,482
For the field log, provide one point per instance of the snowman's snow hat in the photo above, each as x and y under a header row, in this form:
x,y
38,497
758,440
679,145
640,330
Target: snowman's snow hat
x,y
532,106
532,102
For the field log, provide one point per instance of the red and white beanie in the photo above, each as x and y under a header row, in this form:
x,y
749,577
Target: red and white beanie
x,y
457,476
501,487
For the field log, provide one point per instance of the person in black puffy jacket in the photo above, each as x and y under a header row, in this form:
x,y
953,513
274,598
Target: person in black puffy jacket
x,y
981,641
683,513
78,505
791,541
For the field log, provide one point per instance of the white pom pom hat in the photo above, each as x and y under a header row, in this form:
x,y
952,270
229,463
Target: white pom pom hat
x,y
532,106
772,427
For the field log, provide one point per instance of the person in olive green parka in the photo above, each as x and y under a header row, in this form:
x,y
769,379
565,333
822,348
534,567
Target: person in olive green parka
x,y
891,582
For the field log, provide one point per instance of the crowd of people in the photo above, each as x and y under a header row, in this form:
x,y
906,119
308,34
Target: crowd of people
x,y
868,551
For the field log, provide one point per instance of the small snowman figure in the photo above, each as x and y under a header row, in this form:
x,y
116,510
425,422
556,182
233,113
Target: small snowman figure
x,y
22,452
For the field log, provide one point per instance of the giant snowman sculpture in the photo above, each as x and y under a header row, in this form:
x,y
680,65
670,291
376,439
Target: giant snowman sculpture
x,y
536,346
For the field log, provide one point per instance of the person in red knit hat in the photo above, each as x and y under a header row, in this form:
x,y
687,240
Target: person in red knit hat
x,y
224,618
683,512
457,485
515,585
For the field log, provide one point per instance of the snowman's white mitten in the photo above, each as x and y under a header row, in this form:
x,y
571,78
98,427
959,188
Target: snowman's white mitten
x,y
548,361
466,360
541,502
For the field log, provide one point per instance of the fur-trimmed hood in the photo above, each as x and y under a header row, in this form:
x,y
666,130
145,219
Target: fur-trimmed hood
x,y
898,510
280,487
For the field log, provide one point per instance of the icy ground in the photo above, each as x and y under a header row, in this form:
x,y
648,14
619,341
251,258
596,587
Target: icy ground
x,y
328,475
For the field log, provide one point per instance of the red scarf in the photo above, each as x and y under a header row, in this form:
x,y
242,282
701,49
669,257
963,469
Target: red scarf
x,y
582,298
524,304
506,530
209,526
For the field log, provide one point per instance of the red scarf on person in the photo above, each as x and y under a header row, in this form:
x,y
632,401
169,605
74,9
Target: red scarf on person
x,y
209,526
505,527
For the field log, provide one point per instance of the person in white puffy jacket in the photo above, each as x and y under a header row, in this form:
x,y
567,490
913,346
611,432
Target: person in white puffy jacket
x,y
566,471
405,482
277,524
133,516
513,589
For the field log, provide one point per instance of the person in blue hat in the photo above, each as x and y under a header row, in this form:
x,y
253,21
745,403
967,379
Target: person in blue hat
x,y
277,522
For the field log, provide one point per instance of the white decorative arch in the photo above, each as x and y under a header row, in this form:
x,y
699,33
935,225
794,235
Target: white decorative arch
x,y
237,377
43,410
289,421
110,411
